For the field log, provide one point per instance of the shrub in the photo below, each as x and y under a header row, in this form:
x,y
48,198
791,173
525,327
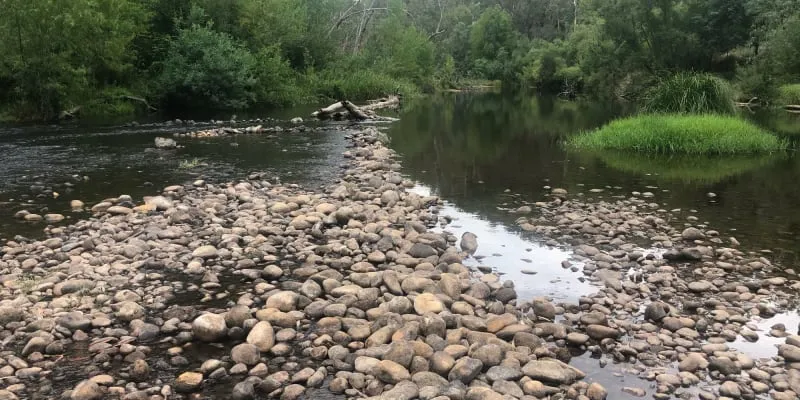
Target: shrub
x,y
206,69
691,93
672,133
277,83
109,103
789,94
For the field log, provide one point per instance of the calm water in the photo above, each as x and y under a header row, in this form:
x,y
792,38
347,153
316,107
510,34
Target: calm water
x,y
485,151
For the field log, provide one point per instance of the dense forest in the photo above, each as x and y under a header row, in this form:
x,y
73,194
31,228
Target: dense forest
x,y
123,56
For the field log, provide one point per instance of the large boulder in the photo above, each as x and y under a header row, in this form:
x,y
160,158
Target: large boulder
x,y
86,390
552,371
469,242
209,327
262,336
428,303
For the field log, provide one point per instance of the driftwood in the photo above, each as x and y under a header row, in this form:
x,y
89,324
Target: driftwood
x,y
749,104
390,102
72,113
139,100
347,110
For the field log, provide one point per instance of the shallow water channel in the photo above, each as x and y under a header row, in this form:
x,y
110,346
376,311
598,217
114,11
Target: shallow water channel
x,y
485,154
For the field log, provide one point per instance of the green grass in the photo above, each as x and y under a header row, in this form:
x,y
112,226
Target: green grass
x,y
189,164
695,169
691,93
789,94
671,133
358,85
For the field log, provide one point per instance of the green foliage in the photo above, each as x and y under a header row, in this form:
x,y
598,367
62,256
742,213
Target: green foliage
x,y
277,83
690,134
402,51
789,94
446,74
491,42
691,93
56,51
109,102
359,84
206,69
58,54
782,50
551,68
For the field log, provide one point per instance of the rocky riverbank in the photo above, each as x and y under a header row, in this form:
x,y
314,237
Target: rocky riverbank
x,y
273,291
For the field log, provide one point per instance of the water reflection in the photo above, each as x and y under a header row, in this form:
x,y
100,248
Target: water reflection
x,y
705,170
483,150
778,121
530,265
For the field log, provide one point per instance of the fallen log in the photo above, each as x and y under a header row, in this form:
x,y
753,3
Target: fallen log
x,y
355,112
329,111
749,104
72,113
347,110
390,102
139,100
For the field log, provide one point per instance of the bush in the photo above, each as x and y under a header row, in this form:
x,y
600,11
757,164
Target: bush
x,y
672,133
205,69
109,103
755,80
277,83
789,94
691,93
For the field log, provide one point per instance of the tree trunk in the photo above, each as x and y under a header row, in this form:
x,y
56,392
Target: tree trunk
x,y
347,110
329,111
354,111
390,102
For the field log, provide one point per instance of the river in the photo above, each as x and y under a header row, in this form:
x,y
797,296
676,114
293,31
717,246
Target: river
x,y
486,154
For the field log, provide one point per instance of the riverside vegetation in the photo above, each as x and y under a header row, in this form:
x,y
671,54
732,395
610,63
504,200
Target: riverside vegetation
x,y
117,57
354,289
686,113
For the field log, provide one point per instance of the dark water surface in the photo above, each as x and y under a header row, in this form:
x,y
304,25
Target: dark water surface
x,y
93,163
484,152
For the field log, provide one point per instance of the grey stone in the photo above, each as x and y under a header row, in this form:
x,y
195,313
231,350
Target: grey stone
x,y
465,370
554,371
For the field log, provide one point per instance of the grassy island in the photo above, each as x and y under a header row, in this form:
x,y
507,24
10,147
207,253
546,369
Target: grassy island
x,y
680,133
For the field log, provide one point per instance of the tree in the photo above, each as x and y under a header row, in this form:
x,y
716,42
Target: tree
x,y
491,42
82,46
205,69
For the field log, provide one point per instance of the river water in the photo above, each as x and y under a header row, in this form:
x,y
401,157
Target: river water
x,y
485,154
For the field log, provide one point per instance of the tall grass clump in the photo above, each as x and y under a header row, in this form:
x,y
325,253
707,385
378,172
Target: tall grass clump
x,y
678,133
691,93
360,85
789,94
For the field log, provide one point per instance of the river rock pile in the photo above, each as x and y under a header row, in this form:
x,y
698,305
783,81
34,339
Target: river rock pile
x,y
250,130
351,289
